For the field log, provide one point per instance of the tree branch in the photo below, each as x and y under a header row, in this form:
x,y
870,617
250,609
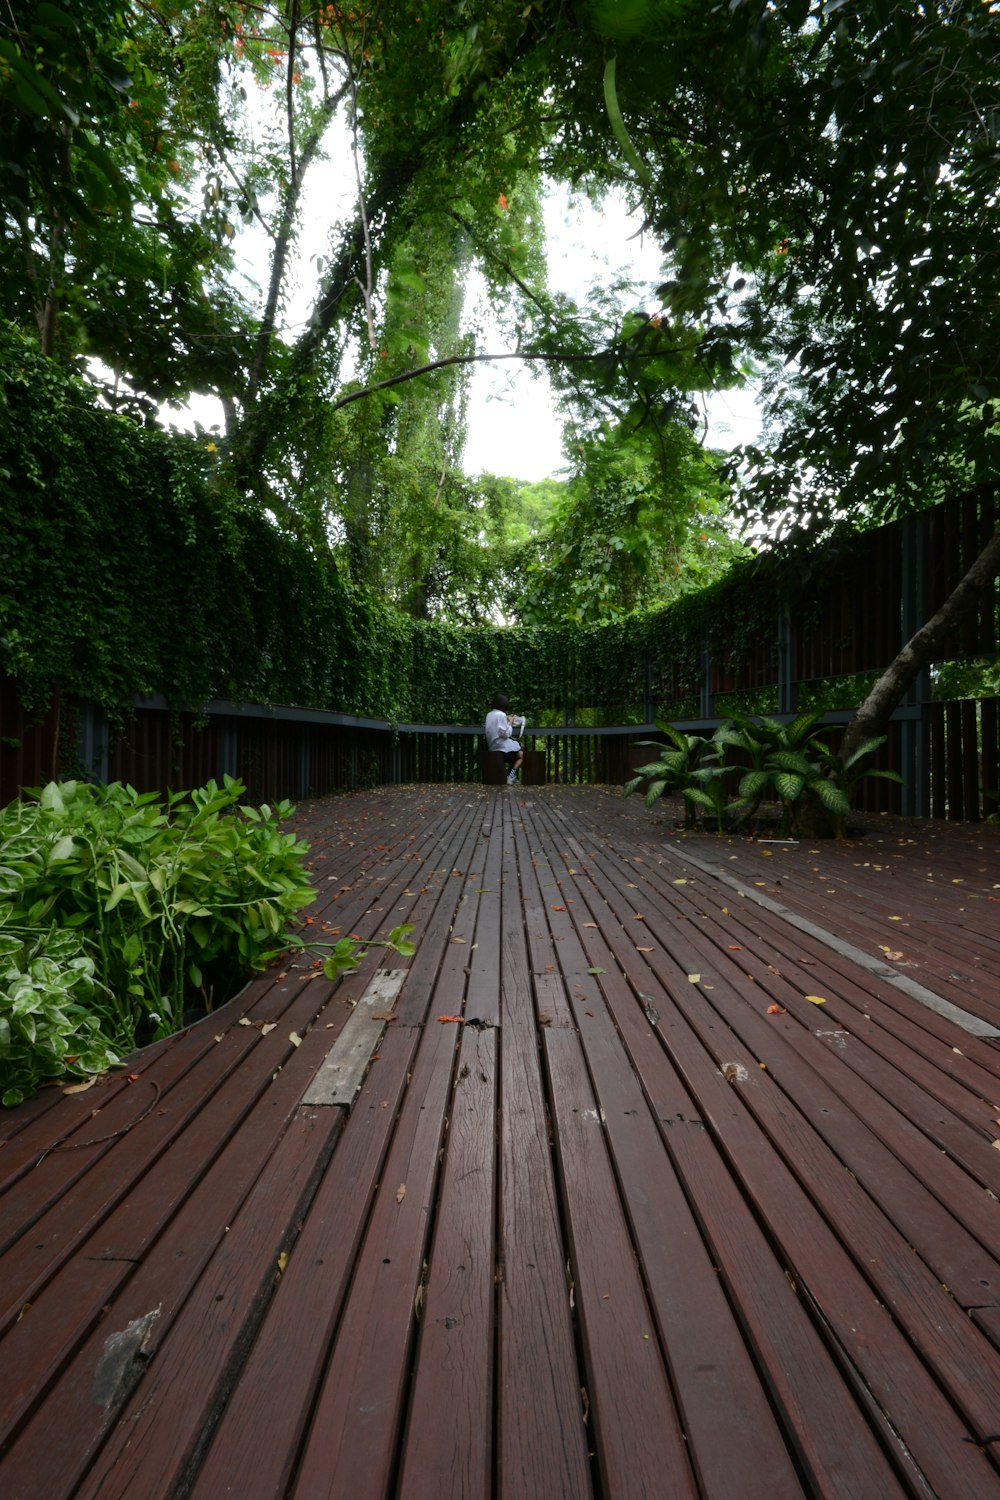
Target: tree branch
x,y
479,359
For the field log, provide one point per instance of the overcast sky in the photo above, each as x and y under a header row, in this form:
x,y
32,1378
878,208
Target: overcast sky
x,y
513,425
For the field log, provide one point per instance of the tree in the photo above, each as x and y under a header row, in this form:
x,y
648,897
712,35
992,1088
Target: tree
x,y
824,177
637,524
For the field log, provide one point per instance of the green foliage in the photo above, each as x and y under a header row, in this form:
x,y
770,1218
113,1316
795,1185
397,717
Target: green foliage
x,y
48,1027
640,523
137,906
822,179
790,763
691,766
345,954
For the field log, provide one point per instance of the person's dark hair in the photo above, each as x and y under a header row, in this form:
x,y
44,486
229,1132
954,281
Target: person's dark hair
x,y
500,701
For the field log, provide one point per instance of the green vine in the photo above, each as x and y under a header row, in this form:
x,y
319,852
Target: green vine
x,y
127,569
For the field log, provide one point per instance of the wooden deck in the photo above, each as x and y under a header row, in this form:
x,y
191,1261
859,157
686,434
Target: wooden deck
x,y
610,1205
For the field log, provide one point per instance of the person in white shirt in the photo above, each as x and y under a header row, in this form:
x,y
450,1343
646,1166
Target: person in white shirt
x,y
498,736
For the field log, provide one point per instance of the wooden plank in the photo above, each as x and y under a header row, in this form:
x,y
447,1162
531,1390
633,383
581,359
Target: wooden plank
x,y
640,1447
541,1437
148,1253
154,1446
448,1446
915,1406
283,1369
339,1077
356,1419
711,1369
833,1445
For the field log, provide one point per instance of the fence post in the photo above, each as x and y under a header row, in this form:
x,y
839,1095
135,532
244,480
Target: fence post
x,y
916,788
787,686
706,696
92,740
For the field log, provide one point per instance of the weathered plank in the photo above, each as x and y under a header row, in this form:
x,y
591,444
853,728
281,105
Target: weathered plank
x,y
640,1446
339,1077
448,1442
542,1440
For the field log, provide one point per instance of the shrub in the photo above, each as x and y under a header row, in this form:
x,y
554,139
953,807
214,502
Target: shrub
x,y
119,909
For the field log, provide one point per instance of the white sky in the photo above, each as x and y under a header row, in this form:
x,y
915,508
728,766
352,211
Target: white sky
x,y
512,421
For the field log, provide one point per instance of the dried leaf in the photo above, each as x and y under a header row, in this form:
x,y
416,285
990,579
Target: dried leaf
x,y
458,1020
460,940
295,1039
80,1088
645,950
776,1010
694,979
282,1261
589,924
383,1015
268,1026
244,1021
558,908
401,1192
815,999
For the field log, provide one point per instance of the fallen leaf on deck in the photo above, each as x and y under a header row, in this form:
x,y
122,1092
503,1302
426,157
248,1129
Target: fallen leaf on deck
x,y
597,971
558,908
459,940
295,1039
459,1020
282,1261
268,1026
638,917
816,999
79,1088
680,882
776,1010
736,947
383,1015
694,979
244,1021
645,950
401,1192
892,953
589,924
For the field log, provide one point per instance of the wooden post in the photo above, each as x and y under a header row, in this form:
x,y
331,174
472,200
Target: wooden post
x,y
787,686
915,767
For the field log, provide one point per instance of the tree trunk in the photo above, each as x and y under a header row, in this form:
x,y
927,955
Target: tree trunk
x,y
872,717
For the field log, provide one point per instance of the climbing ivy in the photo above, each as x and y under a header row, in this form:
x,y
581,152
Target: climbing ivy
x,y
128,568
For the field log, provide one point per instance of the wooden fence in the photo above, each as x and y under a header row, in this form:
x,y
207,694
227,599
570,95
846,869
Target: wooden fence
x,y
855,617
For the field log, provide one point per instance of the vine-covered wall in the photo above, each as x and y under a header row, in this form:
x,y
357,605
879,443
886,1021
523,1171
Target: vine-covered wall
x,y
127,569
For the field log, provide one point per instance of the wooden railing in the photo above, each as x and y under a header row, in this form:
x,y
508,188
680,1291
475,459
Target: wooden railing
x,y
949,753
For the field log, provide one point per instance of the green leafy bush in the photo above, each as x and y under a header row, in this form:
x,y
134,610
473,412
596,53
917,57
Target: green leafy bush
x,y
122,909
47,1025
790,762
